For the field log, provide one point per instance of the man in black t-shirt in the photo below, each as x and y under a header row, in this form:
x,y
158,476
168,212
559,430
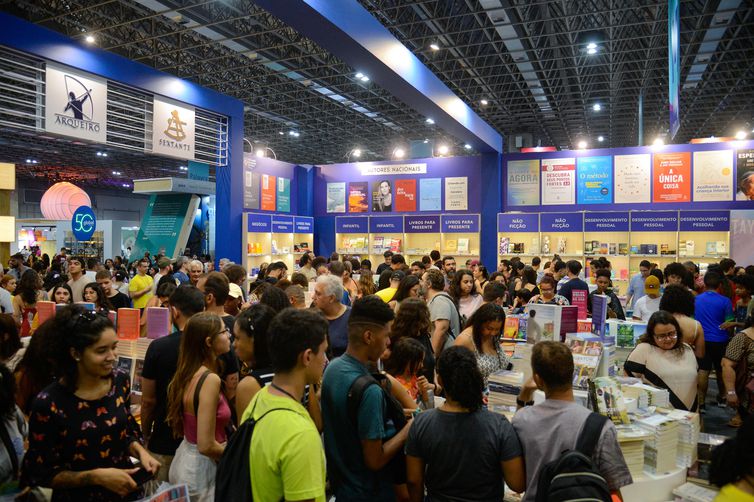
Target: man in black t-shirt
x,y
117,299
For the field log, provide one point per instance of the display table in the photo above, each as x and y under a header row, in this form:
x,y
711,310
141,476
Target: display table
x,y
654,488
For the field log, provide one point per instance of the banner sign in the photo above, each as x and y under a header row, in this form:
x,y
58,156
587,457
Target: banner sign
x,y
166,224
672,177
430,194
523,182
282,224
606,222
654,221
674,64
422,224
561,222
633,178
352,225
173,129
713,175
75,104
460,224
558,181
745,177
518,222
284,195
83,223
393,169
259,222
250,182
707,221
386,224
303,225
594,180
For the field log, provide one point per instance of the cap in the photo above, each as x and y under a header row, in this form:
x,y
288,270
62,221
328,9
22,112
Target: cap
x,y
235,290
474,262
651,285
164,262
398,275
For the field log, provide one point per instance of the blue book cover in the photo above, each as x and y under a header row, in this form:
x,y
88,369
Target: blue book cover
x,y
594,180
430,194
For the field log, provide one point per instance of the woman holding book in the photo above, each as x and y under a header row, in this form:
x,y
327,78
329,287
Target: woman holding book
x,y
93,293
661,358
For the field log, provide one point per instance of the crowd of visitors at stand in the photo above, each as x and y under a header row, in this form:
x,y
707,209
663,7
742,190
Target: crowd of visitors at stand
x,y
349,363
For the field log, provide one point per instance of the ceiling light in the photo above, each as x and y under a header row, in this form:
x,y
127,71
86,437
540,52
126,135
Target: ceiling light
x,y
425,141
434,47
467,146
281,133
591,51
582,145
260,152
126,185
359,75
600,138
116,173
741,135
356,153
364,79
591,45
183,168
89,39
28,161
659,142
398,153
443,150
294,134
429,121
597,107
484,102
99,154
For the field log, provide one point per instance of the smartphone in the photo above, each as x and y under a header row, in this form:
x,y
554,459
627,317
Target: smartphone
x,y
142,476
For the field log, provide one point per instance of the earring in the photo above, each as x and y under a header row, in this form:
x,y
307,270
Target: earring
x,y
77,359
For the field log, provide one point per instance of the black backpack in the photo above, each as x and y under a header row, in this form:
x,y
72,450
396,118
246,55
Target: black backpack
x,y
233,481
573,476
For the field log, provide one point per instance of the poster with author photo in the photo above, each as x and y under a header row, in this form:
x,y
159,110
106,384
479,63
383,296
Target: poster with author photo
x,y
382,196
745,170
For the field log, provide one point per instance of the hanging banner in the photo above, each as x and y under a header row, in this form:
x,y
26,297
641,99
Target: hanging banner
x,y
707,221
674,65
460,224
633,178
391,169
606,222
672,177
561,222
430,194
745,170
303,224
75,104
422,224
166,224
173,129
268,193
358,193
284,195
386,224
523,183
352,225
558,181
654,221
250,182
336,197
713,175
259,223
405,195
595,180
517,222
457,194
282,224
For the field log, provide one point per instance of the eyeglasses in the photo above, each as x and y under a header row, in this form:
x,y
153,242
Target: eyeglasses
x,y
667,336
226,330
88,315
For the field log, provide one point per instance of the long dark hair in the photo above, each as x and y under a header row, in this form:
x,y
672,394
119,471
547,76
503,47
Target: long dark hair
x,y
102,303
36,370
461,378
662,317
455,284
411,320
27,287
254,323
7,394
404,287
489,312
405,358
734,459
9,339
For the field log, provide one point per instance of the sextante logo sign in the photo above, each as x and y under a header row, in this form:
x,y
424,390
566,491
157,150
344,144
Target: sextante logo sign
x,y
173,129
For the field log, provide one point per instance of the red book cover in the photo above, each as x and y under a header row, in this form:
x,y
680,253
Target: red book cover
x,y
268,192
45,311
578,298
672,177
405,195
129,324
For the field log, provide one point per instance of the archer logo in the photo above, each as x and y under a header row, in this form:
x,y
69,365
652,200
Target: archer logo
x,y
78,112
175,127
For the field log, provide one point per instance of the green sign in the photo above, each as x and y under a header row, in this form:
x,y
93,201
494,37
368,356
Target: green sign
x,y
284,195
166,225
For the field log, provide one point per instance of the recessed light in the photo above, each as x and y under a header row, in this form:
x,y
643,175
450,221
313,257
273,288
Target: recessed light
x,y
582,145
260,152
597,107
443,150
356,153
281,133
89,39
600,139
591,45
434,47
359,75
658,142
484,102
126,185
398,153
591,51
364,79
467,146
429,121
741,135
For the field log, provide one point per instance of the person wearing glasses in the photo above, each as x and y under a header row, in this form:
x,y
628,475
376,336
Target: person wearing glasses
x,y
197,408
662,359
82,434
482,338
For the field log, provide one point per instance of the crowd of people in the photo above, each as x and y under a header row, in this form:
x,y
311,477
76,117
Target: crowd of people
x,y
350,363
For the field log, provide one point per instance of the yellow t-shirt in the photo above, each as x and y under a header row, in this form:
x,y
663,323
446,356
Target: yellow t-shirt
x,y
386,294
139,283
731,493
286,457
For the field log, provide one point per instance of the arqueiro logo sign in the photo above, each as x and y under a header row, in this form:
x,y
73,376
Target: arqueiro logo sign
x,y
173,129
75,104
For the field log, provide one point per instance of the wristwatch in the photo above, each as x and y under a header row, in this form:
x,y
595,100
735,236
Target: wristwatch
x,y
522,404
731,393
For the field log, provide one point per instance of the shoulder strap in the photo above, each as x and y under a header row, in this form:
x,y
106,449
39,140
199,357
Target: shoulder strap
x,y
356,394
196,391
590,434
10,449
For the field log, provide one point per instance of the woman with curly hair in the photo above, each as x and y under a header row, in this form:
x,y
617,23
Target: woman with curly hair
x,y
412,321
28,293
366,283
463,291
409,287
483,339
481,453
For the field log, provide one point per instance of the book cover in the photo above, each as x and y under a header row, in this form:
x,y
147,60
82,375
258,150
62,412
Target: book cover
x,y
405,195
158,322
569,321
608,399
543,322
586,359
643,249
535,245
510,329
664,249
358,197
86,305
128,323
136,386
579,299
395,245
711,247
623,248
378,243
451,245
651,248
45,311
561,245
125,364
113,316
690,248
463,245
613,248
588,247
599,314
721,247
634,249
584,326
504,245
624,274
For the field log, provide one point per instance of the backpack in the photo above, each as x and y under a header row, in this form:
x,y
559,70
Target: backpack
x,y
572,476
233,480
461,321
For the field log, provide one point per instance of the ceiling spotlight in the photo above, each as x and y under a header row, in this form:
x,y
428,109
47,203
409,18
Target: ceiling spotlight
x,y
281,133
116,173
359,75
442,150
600,138
294,134
356,153
89,39
28,161
659,142
484,102
260,152
429,121
741,135
591,45
596,107
364,79
582,145
434,47
425,141
183,168
99,154
126,185
591,52
398,153
467,146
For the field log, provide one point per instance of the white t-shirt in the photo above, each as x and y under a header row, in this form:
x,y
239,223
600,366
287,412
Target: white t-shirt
x,y
645,307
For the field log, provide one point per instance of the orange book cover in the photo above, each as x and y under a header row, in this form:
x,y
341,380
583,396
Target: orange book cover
x,y
671,174
268,193
129,323
45,311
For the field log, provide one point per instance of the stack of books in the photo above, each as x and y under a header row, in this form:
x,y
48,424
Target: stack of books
x,y
689,492
646,395
504,387
689,428
699,472
631,439
661,446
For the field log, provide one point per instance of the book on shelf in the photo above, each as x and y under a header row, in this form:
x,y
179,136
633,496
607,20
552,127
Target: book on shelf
x,y
561,245
588,249
463,245
651,248
378,243
535,245
624,274
45,311
504,247
613,248
623,248
451,245
635,249
274,246
395,245
604,248
721,247
518,248
607,398
711,247
690,248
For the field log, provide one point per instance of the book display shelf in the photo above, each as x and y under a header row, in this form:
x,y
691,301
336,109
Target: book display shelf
x,y
422,235
459,236
385,234
518,235
274,237
352,235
